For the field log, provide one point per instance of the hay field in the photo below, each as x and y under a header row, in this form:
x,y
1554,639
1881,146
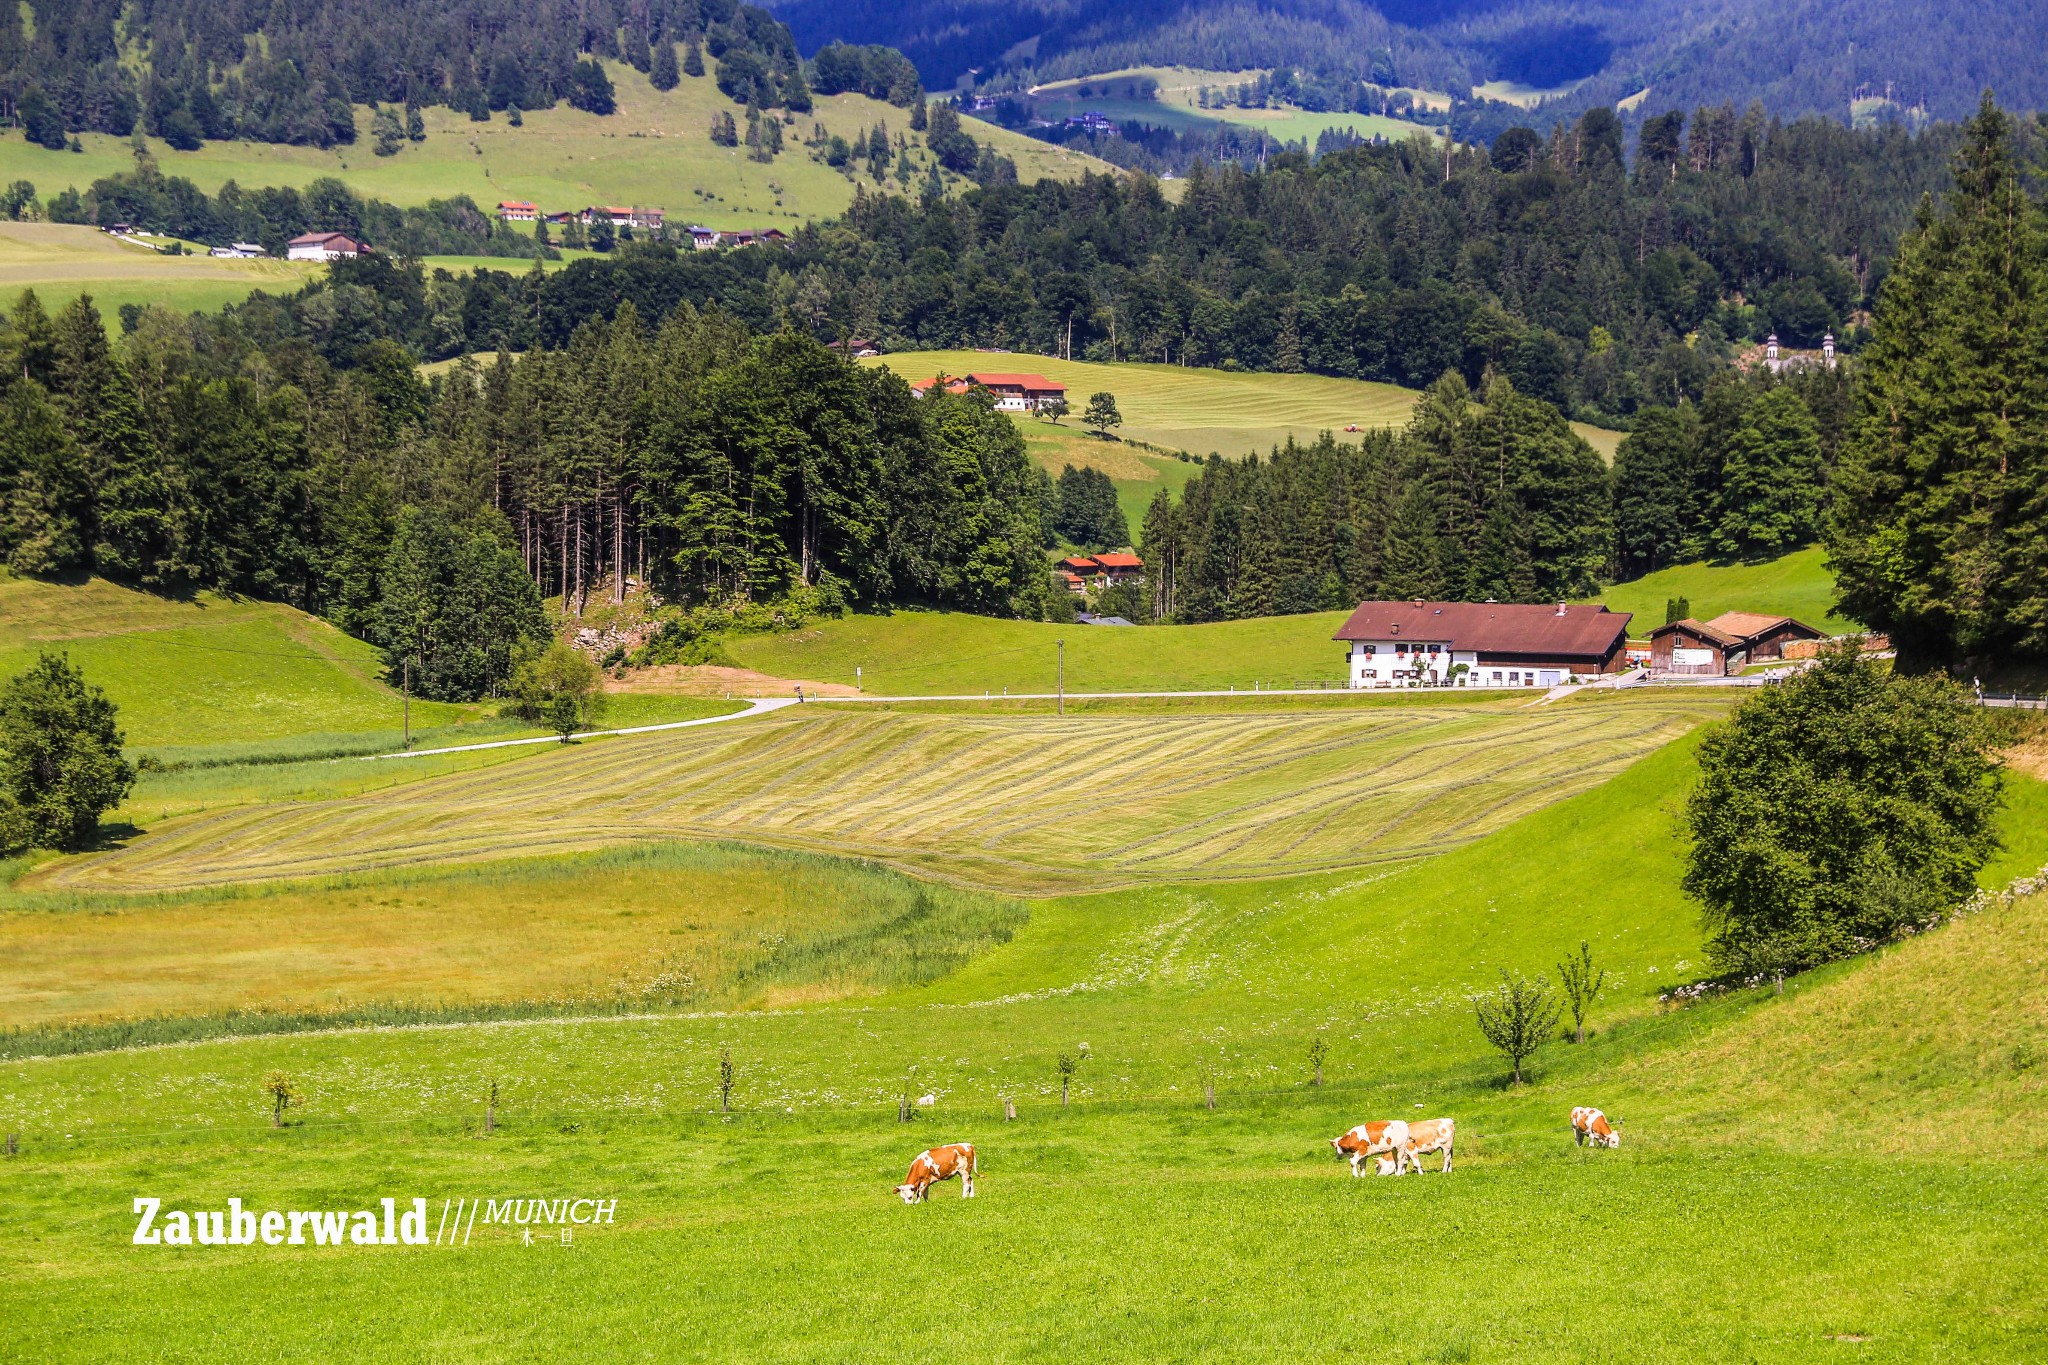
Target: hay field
x,y
61,261
1113,93
1028,803
1199,411
655,150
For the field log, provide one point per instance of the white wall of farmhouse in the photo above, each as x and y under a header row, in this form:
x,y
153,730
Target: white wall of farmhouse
x,y
1433,663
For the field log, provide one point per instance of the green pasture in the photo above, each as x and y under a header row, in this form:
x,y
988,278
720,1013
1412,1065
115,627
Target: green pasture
x,y
1114,94
655,151
1797,585
973,799
924,653
1201,411
1791,1132
1181,408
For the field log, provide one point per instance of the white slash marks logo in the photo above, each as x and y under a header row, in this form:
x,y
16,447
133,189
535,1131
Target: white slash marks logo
x,y
386,1224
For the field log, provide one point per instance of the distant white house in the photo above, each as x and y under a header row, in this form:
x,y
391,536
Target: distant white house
x,y
238,251
323,246
1013,392
1480,644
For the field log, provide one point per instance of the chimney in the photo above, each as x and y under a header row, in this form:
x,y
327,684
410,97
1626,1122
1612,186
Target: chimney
x,y
1418,601
1560,609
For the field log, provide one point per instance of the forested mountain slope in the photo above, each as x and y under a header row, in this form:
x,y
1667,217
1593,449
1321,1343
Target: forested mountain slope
x,y
1806,56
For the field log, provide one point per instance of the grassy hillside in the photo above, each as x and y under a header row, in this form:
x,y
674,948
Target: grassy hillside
x,y
1797,585
1230,412
922,653
655,150
209,680
972,798
1113,94
61,261
1882,1247
208,670
1199,411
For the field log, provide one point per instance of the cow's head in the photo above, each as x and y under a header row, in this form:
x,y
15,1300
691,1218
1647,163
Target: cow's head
x,y
908,1193
1614,1132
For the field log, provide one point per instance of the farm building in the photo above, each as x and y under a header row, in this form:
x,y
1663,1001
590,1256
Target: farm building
x,y
323,246
1727,644
518,210
1014,392
1480,644
238,251
1103,570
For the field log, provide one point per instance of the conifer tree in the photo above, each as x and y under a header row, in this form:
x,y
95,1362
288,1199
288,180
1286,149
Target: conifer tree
x,y
1772,480
45,501
693,59
128,530
1940,526
662,73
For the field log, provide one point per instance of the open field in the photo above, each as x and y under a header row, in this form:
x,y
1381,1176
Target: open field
x,y
1797,585
1196,410
1114,94
672,925
924,653
1878,1247
242,697
654,151
961,798
61,261
1228,412
208,670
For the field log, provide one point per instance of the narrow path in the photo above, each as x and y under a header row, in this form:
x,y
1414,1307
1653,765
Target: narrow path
x,y
753,708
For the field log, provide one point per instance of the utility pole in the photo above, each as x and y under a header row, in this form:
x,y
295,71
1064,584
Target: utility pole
x,y
1062,675
405,673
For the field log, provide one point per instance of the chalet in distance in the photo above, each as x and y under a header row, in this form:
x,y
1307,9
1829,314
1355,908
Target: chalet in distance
x,y
1014,392
1081,572
323,246
1481,644
1725,645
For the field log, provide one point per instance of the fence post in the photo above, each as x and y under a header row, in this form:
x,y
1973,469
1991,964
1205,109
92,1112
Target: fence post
x,y
491,1109
1009,1110
12,1145
1208,1095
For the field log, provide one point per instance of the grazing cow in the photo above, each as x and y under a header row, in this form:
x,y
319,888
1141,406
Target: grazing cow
x,y
1590,1125
940,1163
1372,1139
1430,1135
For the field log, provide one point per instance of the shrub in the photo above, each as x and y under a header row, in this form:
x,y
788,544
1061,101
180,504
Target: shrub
x,y
1518,1017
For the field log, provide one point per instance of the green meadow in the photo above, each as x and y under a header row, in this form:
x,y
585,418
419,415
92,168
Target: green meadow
x,y
1797,585
1806,1133
654,151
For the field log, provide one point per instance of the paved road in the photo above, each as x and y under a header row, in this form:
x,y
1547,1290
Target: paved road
x,y
754,708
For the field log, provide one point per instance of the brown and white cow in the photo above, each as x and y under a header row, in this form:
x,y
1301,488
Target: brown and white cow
x,y
1590,1125
940,1163
1428,1135
1373,1140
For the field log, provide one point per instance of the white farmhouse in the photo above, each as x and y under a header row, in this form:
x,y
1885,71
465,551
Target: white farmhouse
x,y
1480,644
323,246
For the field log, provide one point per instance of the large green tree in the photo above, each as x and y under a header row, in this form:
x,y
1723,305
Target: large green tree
x,y
129,531
1940,531
1837,810
60,758
1773,482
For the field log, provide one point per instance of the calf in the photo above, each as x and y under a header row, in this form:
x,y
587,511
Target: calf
x,y
940,1163
1590,1125
1372,1139
1430,1135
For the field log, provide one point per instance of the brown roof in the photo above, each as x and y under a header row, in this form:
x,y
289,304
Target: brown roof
x,y
1591,632
1701,630
1747,625
1037,383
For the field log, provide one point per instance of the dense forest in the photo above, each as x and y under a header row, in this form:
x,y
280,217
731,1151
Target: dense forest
x,y
189,72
